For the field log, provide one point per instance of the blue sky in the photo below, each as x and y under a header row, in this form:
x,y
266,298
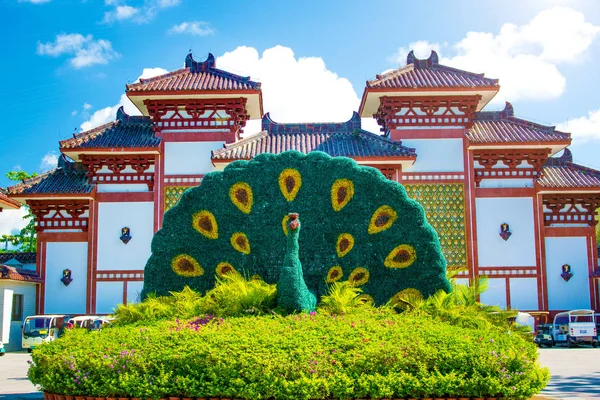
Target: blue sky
x,y
65,63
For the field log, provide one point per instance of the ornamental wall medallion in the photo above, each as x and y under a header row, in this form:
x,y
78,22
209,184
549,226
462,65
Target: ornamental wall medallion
x,y
505,231
566,272
66,279
125,235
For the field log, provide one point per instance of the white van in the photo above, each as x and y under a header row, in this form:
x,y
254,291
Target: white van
x,y
89,322
39,329
576,326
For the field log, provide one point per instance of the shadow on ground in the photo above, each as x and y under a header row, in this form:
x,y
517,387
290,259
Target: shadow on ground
x,y
588,385
23,396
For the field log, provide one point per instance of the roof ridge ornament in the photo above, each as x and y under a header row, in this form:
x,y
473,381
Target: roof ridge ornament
x,y
508,111
432,60
353,124
200,66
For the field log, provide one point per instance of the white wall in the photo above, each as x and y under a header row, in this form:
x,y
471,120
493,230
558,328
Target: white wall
x,y
122,187
524,294
113,254
506,183
108,295
6,298
519,249
496,293
575,293
134,291
10,331
436,155
61,299
189,157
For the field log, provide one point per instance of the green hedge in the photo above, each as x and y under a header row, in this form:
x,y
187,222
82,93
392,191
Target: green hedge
x,y
258,213
368,354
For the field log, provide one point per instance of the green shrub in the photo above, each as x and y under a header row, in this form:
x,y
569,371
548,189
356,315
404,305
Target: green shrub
x,y
369,353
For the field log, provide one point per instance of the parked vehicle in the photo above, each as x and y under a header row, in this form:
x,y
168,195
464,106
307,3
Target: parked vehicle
x,y
574,327
89,322
39,329
544,335
2,349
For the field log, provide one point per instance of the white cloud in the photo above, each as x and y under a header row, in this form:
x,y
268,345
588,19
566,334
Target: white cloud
x,y
583,129
86,106
73,113
11,222
525,58
85,51
294,89
108,114
49,161
120,13
197,28
35,1
140,15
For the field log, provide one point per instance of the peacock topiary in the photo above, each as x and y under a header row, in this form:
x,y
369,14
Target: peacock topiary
x,y
356,226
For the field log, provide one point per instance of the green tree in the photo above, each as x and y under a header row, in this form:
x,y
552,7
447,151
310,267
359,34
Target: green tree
x,y
26,239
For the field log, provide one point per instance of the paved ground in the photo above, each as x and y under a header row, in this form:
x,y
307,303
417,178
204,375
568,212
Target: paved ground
x,y
575,375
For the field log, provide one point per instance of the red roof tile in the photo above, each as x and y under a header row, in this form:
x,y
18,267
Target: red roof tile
x,y
336,139
7,202
504,127
125,132
429,74
195,76
19,274
562,173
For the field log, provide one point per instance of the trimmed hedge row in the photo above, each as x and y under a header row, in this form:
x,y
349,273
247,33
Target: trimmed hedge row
x,y
367,354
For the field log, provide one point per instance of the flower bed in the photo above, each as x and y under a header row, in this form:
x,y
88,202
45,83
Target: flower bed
x,y
369,354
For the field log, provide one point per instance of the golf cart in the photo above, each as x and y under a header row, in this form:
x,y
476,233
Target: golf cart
x,y
575,327
544,335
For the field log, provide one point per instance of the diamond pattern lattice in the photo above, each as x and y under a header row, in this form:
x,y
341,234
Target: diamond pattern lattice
x,y
444,206
173,194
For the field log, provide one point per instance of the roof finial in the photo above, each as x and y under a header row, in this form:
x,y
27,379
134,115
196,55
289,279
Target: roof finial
x,y
196,66
432,60
508,111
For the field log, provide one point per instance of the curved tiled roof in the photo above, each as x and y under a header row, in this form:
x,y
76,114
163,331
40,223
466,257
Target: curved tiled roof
x,y
4,199
504,127
68,178
429,73
561,172
22,258
195,76
19,274
125,132
336,139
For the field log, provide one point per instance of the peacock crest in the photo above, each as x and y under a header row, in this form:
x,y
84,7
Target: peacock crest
x,y
356,226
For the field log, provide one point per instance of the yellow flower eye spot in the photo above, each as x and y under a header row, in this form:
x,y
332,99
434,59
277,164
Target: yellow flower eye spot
x,y
225,268
240,242
345,243
186,265
204,222
382,219
366,299
342,191
401,257
290,181
359,276
405,296
241,196
335,274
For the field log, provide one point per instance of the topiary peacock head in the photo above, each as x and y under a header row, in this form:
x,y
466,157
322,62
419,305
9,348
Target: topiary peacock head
x,y
356,226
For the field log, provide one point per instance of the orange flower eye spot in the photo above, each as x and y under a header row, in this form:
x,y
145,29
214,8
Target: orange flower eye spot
x,y
401,257
284,223
345,243
342,191
225,268
204,222
405,296
241,196
240,242
290,181
334,274
186,265
359,276
382,219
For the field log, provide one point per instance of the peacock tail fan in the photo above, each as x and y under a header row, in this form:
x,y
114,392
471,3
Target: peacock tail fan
x,y
356,226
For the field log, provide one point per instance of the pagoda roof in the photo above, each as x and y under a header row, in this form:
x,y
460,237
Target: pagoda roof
x,y
562,173
195,76
126,132
22,258
19,274
502,127
7,202
68,179
429,73
336,139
